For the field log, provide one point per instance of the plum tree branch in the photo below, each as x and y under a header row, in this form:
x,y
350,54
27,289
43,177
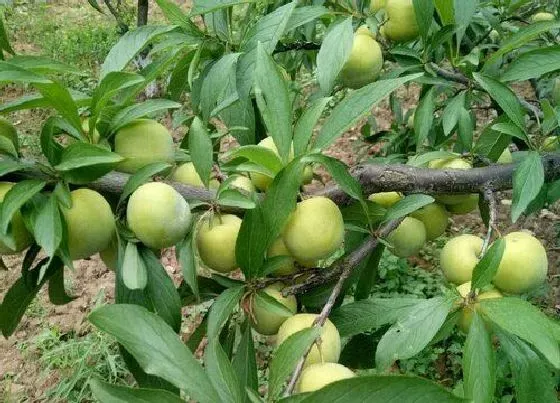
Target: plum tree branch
x,y
490,198
373,178
341,271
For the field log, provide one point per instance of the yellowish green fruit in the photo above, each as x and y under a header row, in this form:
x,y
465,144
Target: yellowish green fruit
x,y
143,142
158,215
110,254
435,219
315,230
329,350
364,63
21,236
452,163
307,175
90,223
261,181
268,321
505,157
216,239
385,199
278,248
408,238
317,376
494,36
242,183
464,207
376,5
9,131
468,310
186,174
410,121
542,17
459,256
551,143
401,25
524,264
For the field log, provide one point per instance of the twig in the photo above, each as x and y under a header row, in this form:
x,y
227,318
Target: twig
x,y
342,271
462,79
490,198
123,28
280,48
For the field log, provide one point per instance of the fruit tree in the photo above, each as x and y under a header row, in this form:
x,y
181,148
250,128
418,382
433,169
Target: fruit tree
x,y
282,81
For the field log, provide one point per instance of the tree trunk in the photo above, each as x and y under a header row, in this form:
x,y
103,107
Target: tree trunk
x,y
142,18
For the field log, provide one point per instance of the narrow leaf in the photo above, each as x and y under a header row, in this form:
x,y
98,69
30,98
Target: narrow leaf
x,y
222,308
528,180
486,268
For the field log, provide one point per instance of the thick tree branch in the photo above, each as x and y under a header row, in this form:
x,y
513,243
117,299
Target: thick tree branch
x,y
374,178
409,179
280,48
341,271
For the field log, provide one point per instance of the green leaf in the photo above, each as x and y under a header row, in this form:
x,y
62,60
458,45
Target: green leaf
x,y
424,117
479,363
274,102
369,273
79,155
528,180
511,130
134,271
57,292
4,41
355,106
130,45
82,163
234,198
486,268
531,376
142,176
16,197
339,173
185,254
524,320
221,309
379,388
161,290
135,328
12,73
420,160
259,155
303,130
9,166
424,11
304,14
42,64
504,96
106,392
176,16
446,11
133,112
363,316
286,357
21,293
60,98
412,332
221,373
38,101
219,89
521,37
407,205
209,6
335,50
244,361
464,12
492,143
200,147
533,64
452,112
47,230
465,129
109,87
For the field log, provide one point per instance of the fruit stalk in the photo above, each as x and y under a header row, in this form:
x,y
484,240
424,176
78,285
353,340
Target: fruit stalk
x,y
341,271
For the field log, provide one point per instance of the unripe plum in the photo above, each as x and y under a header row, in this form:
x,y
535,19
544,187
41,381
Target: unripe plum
x,y
317,376
408,238
216,239
459,256
435,219
267,321
186,174
364,63
21,236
